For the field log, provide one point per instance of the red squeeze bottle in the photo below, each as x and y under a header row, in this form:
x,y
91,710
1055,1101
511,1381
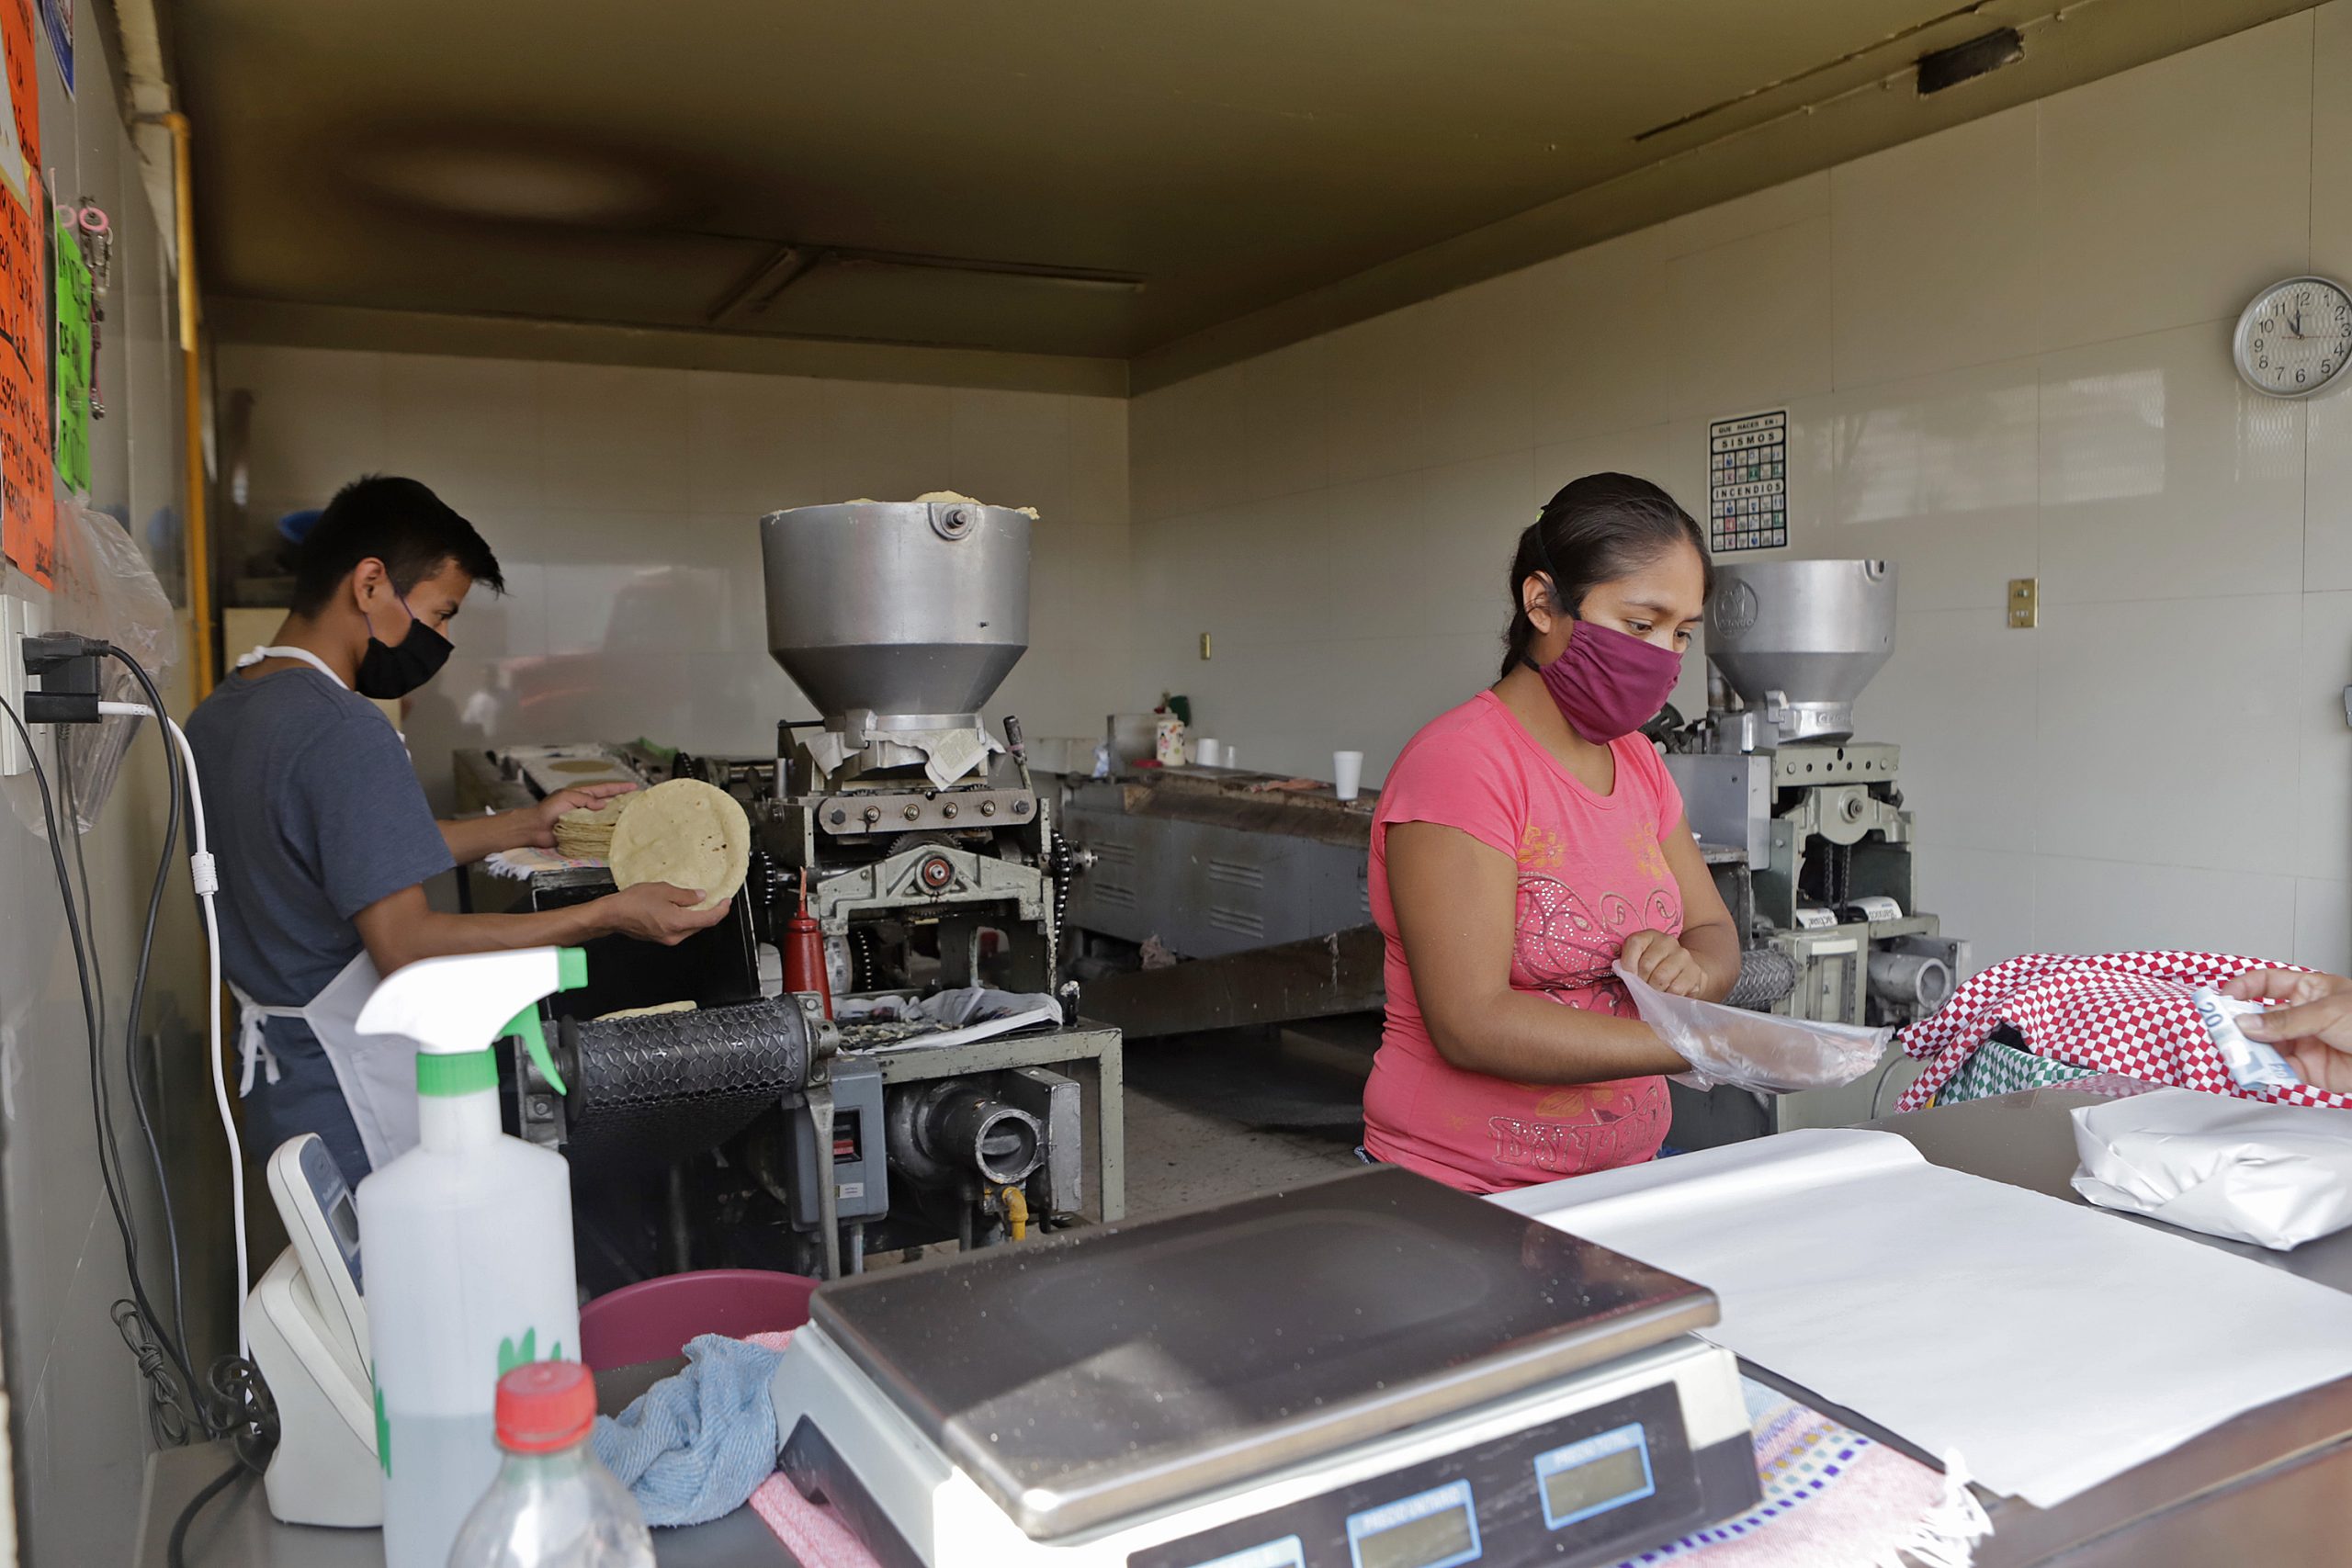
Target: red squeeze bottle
x,y
804,950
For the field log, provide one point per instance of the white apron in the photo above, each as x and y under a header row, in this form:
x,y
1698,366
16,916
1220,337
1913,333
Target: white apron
x,y
377,1073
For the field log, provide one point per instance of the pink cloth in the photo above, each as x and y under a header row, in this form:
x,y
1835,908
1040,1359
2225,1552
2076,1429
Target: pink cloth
x,y
2116,1012
1592,871
813,1532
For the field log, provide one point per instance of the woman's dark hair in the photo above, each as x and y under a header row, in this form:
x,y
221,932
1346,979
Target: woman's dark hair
x,y
1598,529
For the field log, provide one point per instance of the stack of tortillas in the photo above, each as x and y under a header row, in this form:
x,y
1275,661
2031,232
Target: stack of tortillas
x,y
588,835
687,833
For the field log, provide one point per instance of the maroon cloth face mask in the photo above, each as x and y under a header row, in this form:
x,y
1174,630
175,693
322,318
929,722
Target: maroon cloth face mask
x,y
1607,683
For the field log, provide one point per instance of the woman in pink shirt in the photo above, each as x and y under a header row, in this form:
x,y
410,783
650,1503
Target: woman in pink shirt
x,y
1529,840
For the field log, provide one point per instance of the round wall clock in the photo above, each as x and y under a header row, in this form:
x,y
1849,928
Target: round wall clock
x,y
2295,338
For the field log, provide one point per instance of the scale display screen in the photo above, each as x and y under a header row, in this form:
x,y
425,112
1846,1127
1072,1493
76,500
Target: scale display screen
x,y
1606,1470
1591,1487
1434,1529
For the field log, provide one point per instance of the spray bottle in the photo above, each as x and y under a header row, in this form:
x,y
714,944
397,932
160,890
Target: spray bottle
x,y
468,1240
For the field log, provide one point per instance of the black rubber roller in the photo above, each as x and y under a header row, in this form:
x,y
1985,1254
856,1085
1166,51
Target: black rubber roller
x,y
668,1085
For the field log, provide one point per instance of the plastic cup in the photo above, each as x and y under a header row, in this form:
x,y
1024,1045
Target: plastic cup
x,y
1347,774
1206,751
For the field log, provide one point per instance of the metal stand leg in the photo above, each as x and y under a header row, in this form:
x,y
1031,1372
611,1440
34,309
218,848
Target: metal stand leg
x,y
820,1113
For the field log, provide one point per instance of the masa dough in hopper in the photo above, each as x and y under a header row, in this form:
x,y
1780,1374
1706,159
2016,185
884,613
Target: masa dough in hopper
x,y
687,833
932,497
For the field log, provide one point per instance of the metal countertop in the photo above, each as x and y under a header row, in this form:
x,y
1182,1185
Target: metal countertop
x,y
2274,1487
235,1529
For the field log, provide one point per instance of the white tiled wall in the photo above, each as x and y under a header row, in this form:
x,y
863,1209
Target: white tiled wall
x,y
622,505
2005,350
77,1417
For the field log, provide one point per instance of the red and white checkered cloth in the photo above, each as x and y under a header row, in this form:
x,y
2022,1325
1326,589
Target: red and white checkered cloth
x,y
2113,1012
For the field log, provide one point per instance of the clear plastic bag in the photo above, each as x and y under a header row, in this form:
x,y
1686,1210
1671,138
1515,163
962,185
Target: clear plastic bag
x,y
1758,1051
105,589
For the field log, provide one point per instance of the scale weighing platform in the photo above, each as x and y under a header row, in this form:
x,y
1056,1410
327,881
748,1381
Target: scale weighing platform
x,y
1372,1372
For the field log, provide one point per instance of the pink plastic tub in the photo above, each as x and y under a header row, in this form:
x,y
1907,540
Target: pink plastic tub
x,y
653,1320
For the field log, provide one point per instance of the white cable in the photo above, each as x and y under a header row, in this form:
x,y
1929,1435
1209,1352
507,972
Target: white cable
x,y
126,710
207,879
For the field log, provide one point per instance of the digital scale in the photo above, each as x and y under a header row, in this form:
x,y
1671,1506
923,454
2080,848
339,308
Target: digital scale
x,y
1374,1373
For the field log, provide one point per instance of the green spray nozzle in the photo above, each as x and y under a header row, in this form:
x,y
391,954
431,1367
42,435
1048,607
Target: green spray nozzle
x,y
449,1006
535,1038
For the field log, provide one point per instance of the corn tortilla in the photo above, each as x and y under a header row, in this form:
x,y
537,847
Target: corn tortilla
x,y
687,833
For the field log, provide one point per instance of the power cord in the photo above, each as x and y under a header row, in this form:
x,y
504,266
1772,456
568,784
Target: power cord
x,y
180,771
177,1553
109,1155
240,1408
234,1404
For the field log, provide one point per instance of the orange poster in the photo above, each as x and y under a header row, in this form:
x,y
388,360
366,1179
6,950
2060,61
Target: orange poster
x,y
28,504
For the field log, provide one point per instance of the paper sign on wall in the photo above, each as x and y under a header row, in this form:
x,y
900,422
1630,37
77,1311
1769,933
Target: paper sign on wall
x,y
28,507
74,293
57,20
1747,482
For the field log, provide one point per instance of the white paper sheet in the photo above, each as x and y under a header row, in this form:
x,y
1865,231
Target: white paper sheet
x,y
2053,1346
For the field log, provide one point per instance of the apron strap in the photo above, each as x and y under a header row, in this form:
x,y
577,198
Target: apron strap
x,y
304,654
253,1045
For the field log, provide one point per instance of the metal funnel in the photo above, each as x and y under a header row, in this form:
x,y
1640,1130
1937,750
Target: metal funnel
x,y
906,608
1799,639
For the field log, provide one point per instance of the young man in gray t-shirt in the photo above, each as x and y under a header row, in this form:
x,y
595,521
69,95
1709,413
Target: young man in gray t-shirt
x,y
321,830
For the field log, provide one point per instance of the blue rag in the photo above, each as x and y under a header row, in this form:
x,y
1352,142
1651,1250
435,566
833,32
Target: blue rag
x,y
697,1445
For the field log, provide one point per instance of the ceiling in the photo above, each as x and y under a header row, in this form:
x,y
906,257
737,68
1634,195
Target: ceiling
x,y
1107,178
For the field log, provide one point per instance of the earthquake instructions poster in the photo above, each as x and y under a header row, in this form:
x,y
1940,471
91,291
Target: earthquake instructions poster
x,y
1747,482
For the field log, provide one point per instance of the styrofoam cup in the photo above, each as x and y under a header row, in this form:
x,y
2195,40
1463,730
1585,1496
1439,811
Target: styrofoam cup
x,y
1206,751
1347,773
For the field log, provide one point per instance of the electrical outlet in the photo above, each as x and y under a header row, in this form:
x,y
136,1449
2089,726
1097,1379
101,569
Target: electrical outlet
x,y
2024,603
19,618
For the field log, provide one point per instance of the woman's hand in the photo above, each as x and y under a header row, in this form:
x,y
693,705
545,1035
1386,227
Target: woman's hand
x,y
540,820
1663,964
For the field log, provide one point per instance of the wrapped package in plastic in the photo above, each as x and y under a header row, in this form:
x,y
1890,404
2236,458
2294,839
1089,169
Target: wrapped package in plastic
x,y
2276,1176
105,589
1758,1051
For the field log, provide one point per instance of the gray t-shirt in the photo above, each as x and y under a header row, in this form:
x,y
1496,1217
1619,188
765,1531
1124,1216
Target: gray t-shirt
x,y
315,813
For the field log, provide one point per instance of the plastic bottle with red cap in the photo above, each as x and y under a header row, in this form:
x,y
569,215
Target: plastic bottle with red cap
x,y
553,1505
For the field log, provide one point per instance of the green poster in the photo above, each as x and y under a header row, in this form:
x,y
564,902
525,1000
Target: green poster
x,y
73,358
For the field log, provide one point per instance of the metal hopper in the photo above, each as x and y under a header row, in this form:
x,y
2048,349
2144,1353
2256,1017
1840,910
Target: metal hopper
x,y
1799,639
906,609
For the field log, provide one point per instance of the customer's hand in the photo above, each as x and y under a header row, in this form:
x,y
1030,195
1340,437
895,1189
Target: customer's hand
x,y
1662,964
2313,1030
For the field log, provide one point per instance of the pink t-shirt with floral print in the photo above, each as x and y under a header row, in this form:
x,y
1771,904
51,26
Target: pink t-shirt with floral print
x,y
1592,871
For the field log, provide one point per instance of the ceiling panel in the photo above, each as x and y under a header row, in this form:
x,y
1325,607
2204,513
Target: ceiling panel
x,y
633,164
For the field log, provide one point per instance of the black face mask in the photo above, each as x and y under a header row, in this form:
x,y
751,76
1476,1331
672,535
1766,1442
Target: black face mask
x,y
394,670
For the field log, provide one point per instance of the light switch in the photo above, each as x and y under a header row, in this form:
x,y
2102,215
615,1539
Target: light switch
x,y
1205,645
2024,603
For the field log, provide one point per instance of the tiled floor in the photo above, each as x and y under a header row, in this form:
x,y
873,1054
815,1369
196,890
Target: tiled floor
x,y
1179,1158
1213,1118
